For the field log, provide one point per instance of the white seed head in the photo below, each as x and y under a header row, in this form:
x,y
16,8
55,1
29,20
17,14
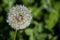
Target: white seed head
x,y
19,17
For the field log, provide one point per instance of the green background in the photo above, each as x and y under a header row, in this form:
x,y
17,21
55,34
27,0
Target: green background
x,y
44,26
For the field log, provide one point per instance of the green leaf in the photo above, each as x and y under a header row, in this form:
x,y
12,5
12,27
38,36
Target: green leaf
x,y
19,35
29,31
31,37
46,4
36,12
54,38
11,35
52,19
42,36
50,36
38,26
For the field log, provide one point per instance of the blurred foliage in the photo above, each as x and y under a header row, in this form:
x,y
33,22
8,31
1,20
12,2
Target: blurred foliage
x,y
53,18
28,1
1,19
44,26
7,4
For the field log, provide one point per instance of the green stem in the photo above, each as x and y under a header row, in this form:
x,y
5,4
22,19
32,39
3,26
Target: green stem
x,y
15,32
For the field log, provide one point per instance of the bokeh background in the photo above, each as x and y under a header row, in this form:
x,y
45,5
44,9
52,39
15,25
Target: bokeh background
x,y
44,26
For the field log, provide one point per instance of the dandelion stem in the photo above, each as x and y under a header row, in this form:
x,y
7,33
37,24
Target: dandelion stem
x,y
15,32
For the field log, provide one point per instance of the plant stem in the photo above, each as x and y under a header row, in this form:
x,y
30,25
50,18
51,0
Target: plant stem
x,y
15,32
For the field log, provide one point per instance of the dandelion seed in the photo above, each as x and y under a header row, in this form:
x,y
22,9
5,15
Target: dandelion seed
x,y
19,17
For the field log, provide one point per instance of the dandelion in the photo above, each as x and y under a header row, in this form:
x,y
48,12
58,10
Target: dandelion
x,y
19,17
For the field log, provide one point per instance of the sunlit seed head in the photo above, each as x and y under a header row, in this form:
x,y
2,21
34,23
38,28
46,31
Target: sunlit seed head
x,y
19,17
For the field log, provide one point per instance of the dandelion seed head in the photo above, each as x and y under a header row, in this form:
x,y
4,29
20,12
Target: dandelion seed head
x,y
19,17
